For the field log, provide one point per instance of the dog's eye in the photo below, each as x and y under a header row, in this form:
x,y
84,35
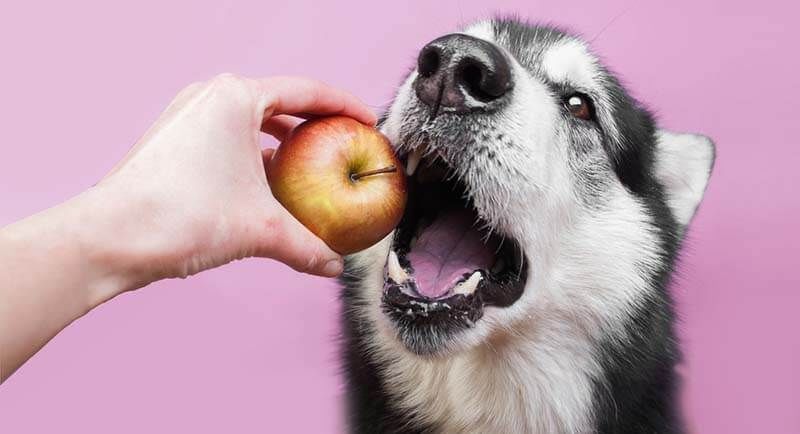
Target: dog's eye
x,y
580,106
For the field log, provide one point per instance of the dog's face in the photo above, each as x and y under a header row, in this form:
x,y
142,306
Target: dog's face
x,y
543,204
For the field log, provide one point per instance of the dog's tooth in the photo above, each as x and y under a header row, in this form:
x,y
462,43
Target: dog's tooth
x,y
413,160
396,271
469,286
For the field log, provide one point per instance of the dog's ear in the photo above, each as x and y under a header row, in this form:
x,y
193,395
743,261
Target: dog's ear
x,y
683,165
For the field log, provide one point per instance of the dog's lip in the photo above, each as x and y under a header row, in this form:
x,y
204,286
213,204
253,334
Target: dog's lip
x,y
493,289
468,308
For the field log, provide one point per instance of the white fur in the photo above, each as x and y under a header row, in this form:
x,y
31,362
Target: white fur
x,y
683,164
570,62
391,126
481,30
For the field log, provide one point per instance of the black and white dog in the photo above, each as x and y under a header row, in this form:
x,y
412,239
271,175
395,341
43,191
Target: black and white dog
x,y
526,288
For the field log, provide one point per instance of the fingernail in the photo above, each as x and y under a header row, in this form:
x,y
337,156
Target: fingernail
x,y
334,267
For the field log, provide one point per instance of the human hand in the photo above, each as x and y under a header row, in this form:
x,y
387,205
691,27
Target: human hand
x,y
192,193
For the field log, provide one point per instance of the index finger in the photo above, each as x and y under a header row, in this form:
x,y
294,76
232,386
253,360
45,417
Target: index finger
x,y
297,95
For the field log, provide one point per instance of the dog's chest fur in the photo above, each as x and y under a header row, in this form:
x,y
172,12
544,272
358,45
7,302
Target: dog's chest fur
x,y
515,383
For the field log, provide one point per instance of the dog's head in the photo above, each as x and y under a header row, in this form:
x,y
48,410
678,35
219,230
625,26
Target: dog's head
x,y
542,196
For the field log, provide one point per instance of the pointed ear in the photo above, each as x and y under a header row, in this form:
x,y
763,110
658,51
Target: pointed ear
x,y
683,164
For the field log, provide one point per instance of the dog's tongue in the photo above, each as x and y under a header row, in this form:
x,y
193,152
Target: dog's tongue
x,y
447,249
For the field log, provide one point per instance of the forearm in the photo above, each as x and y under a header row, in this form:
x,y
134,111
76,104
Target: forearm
x,y
54,267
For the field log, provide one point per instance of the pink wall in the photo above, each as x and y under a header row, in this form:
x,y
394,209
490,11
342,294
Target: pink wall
x,y
249,348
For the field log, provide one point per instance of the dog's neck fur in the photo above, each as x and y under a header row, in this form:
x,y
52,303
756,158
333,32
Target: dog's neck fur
x,y
512,383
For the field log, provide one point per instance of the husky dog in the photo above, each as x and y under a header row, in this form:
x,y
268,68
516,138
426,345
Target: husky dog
x,y
526,287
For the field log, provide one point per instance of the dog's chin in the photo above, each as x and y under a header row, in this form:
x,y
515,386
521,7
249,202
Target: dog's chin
x,y
445,265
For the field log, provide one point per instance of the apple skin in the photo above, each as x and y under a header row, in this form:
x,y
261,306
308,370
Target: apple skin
x,y
310,174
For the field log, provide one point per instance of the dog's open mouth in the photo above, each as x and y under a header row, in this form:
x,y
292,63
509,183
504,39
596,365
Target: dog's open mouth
x,y
445,264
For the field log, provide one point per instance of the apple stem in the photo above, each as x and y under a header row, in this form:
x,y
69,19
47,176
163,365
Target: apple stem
x,y
357,176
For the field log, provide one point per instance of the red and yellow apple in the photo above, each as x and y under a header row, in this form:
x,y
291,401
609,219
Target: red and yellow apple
x,y
342,180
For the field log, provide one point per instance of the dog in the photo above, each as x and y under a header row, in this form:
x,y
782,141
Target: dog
x,y
525,289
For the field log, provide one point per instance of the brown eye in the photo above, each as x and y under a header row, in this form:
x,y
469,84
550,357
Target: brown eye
x,y
580,106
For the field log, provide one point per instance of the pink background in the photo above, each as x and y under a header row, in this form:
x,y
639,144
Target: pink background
x,y
249,347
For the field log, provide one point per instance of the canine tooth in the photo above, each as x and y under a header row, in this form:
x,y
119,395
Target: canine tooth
x,y
396,271
413,161
469,286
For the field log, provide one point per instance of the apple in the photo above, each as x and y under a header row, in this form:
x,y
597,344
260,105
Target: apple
x,y
342,180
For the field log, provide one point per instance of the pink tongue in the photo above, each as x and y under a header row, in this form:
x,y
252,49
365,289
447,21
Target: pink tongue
x,y
445,251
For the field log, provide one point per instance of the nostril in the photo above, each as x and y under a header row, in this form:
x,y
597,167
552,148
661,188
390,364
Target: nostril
x,y
472,76
428,62
484,79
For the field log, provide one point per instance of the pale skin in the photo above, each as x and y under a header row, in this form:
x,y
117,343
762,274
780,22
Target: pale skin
x,y
190,195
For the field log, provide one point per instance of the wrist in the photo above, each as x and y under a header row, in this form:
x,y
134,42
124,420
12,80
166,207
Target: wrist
x,y
92,236
109,235
60,246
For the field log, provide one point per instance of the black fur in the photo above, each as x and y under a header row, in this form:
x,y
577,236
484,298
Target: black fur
x,y
369,406
639,391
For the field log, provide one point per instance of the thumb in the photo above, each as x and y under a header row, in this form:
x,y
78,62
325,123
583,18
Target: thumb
x,y
293,244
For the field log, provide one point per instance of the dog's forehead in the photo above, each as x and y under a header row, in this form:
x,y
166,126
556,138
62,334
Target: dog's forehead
x,y
565,63
570,61
560,57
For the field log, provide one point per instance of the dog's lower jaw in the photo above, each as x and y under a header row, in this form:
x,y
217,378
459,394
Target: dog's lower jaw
x,y
515,381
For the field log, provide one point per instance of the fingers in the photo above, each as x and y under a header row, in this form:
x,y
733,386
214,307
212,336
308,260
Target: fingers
x,y
280,126
288,241
296,95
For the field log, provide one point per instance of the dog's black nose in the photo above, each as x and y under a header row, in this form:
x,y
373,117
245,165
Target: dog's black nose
x,y
461,72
